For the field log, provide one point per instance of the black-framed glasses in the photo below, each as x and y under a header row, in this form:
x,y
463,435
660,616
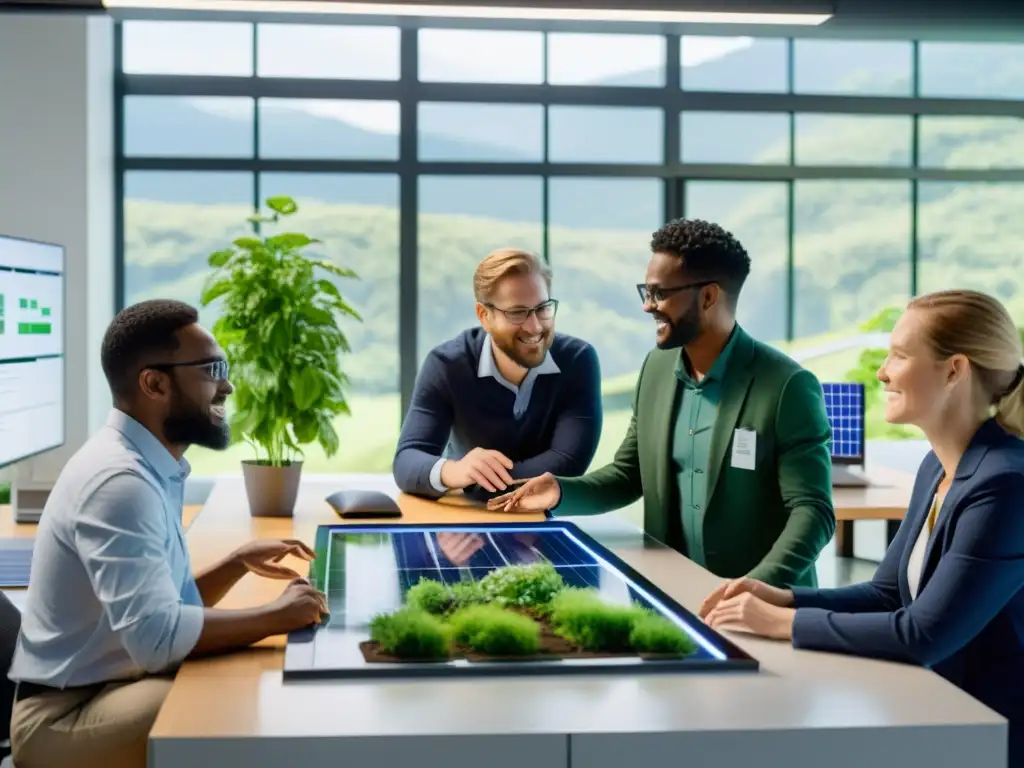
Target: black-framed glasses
x,y
544,311
216,369
658,293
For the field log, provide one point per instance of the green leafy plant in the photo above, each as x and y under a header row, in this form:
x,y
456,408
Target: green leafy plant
x,y
280,330
5,493
495,631
410,633
526,586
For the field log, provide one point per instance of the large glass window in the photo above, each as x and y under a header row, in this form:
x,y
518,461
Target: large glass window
x,y
599,239
328,52
605,135
853,67
967,239
481,132
481,56
173,221
575,144
853,140
185,126
623,60
600,234
355,216
742,138
755,212
734,64
461,220
329,130
851,259
972,70
965,141
187,48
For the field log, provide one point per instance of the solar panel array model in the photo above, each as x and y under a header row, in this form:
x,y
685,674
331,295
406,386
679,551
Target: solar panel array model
x,y
509,598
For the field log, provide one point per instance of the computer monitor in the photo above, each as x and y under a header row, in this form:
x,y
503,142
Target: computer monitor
x,y
32,295
844,406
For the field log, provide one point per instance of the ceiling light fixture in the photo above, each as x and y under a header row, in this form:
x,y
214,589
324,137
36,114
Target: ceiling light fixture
x,y
473,12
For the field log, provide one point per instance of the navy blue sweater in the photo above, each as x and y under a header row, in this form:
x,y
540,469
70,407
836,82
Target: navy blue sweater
x,y
454,409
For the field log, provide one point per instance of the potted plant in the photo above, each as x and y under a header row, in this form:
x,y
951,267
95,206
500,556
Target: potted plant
x,y
280,330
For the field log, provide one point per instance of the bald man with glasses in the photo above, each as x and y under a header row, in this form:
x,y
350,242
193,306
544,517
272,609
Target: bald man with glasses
x,y
506,400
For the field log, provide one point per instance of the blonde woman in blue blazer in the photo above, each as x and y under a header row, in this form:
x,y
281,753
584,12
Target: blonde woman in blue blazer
x,y
949,594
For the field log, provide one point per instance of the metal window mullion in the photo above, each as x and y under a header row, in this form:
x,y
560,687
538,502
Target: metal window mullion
x,y
674,185
408,217
791,199
915,162
545,192
257,178
119,170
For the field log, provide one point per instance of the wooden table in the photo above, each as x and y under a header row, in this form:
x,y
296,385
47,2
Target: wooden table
x,y
800,709
886,499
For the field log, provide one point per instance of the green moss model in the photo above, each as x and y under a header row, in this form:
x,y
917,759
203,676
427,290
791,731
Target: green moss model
x,y
514,611
523,586
410,633
495,631
582,617
430,596
657,635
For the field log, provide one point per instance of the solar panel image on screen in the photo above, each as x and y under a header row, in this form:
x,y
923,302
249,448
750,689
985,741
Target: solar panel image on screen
x,y
367,571
844,404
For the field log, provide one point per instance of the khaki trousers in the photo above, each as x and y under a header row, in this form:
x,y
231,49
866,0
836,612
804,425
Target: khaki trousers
x,y
99,726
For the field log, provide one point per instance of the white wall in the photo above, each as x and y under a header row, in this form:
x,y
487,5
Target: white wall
x,y
57,184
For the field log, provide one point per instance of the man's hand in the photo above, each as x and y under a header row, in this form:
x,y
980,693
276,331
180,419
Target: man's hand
x,y
538,494
459,547
488,469
782,598
299,606
262,557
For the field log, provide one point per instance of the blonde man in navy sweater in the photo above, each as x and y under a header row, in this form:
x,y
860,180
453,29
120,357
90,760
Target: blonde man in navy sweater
x,y
505,401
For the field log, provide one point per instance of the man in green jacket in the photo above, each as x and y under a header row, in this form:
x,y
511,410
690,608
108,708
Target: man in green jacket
x,y
729,443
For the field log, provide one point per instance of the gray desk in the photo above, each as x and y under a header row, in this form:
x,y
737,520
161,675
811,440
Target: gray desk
x,y
802,710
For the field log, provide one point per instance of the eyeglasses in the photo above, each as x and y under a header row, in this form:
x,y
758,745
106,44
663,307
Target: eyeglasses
x,y
544,311
658,294
216,369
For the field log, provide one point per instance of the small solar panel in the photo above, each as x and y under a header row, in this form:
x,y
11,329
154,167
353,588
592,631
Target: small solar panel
x,y
367,571
15,562
844,404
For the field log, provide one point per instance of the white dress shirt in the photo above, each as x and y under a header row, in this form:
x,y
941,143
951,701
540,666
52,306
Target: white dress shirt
x,y
111,593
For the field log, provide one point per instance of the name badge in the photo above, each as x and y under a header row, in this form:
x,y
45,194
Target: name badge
x,y
744,448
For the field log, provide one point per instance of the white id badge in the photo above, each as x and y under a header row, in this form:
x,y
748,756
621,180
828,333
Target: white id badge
x,y
744,448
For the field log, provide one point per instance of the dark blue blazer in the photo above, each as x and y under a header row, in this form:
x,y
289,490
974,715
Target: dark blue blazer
x,y
967,622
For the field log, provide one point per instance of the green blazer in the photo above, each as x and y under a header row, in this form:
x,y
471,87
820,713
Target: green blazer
x,y
769,523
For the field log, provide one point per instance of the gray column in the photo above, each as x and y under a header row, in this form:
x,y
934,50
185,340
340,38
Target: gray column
x,y
57,185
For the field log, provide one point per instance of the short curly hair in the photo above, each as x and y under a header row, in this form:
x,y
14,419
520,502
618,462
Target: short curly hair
x,y
707,251
139,335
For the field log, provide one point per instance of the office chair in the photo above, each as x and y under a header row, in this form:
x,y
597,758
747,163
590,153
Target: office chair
x,y
10,626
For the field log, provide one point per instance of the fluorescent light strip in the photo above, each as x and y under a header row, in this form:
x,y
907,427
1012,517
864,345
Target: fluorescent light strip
x,y
473,12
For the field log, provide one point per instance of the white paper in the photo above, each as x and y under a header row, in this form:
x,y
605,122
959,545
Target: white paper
x,y
744,448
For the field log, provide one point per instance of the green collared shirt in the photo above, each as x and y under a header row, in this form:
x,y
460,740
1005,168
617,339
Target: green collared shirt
x,y
695,413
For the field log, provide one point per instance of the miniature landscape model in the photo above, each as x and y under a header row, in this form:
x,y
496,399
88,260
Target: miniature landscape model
x,y
524,612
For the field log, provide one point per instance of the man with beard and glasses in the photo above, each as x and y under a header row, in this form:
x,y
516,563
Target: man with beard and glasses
x,y
729,443
504,401
113,606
